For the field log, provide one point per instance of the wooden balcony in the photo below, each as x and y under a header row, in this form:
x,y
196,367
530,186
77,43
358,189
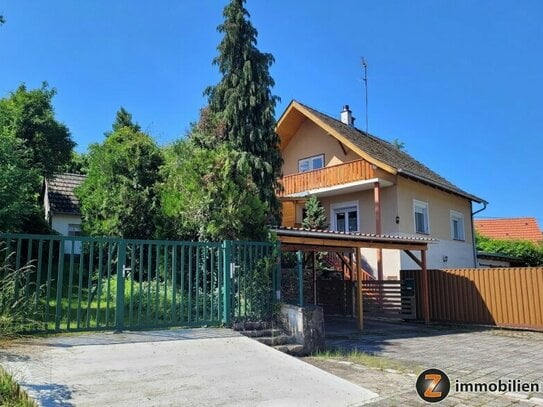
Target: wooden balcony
x,y
331,176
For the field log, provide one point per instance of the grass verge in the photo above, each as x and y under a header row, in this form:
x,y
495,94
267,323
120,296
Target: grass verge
x,y
368,360
11,394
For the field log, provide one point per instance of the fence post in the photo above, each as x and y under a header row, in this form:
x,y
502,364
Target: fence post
x,y
119,305
299,263
227,300
277,279
60,275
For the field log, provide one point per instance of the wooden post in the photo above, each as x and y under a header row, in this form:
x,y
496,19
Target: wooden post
x,y
378,229
425,289
359,290
354,296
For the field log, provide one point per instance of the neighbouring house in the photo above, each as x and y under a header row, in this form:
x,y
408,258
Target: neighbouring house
x,y
62,206
490,260
510,229
369,185
525,229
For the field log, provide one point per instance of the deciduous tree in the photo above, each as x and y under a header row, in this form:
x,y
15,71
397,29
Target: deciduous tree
x,y
29,116
19,184
208,195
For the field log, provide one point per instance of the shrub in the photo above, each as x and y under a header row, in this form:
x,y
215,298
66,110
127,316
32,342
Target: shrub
x,y
529,253
17,311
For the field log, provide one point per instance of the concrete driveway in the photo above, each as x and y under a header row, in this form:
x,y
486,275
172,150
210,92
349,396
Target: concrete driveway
x,y
185,367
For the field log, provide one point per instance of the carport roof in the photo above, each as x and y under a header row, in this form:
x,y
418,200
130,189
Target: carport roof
x,y
323,240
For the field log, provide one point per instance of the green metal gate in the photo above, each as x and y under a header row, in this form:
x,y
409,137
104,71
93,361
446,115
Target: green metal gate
x,y
83,283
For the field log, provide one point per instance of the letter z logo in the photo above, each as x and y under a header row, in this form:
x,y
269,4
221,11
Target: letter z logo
x,y
429,392
433,385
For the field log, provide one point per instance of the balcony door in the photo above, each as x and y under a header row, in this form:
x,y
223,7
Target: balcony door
x,y
345,217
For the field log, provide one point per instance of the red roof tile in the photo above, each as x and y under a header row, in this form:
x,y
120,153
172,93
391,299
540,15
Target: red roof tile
x,y
509,229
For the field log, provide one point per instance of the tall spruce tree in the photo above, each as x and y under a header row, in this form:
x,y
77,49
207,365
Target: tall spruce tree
x,y
245,103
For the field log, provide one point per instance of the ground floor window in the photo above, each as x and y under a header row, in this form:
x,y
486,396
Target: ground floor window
x,y
74,229
345,217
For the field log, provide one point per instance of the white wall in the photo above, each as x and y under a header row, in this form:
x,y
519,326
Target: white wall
x,y
459,255
60,222
391,262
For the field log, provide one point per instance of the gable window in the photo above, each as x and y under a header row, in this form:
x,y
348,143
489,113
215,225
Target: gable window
x,y
345,217
311,163
422,224
457,226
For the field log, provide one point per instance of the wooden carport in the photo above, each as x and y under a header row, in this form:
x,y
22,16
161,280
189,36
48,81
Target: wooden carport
x,y
310,240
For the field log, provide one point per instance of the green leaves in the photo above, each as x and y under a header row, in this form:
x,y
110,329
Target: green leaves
x,y
315,216
119,196
208,195
244,101
29,116
19,184
32,144
529,253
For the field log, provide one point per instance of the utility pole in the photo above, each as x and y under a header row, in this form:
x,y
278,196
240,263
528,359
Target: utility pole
x,y
365,79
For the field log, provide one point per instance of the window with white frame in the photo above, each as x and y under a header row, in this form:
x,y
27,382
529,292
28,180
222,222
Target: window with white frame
x,y
74,229
345,217
311,163
457,226
422,224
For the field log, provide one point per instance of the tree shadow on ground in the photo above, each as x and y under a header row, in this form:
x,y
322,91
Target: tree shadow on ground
x,y
49,395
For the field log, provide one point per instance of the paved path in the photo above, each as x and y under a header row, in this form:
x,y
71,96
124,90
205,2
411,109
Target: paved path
x,y
192,367
484,355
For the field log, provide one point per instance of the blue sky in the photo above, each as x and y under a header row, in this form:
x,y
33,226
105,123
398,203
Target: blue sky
x,y
459,82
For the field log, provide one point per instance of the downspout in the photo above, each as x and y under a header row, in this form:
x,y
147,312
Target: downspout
x,y
474,244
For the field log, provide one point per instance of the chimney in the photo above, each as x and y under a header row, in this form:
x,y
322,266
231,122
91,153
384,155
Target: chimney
x,y
347,116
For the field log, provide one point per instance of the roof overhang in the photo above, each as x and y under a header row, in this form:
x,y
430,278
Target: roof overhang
x,y
498,256
325,240
347,188
294,116
409,174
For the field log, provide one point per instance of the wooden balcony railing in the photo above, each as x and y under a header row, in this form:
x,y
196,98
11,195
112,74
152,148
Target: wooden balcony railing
x,y
327,177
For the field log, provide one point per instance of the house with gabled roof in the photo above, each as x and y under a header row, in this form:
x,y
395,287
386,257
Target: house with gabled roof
x,y
368,185
510,229
61,206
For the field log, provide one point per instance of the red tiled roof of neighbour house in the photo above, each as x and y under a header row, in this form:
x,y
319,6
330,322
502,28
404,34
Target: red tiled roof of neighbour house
x,y
509,229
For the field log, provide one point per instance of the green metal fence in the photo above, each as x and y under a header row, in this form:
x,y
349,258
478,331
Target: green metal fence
x,y
83,283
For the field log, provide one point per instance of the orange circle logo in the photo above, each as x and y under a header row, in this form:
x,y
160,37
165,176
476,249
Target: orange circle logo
x,y
433,385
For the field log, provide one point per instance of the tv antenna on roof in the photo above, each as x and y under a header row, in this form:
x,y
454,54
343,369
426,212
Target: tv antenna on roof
x,y
365,79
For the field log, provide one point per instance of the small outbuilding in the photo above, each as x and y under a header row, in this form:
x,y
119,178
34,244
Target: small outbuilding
x,y
61,205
